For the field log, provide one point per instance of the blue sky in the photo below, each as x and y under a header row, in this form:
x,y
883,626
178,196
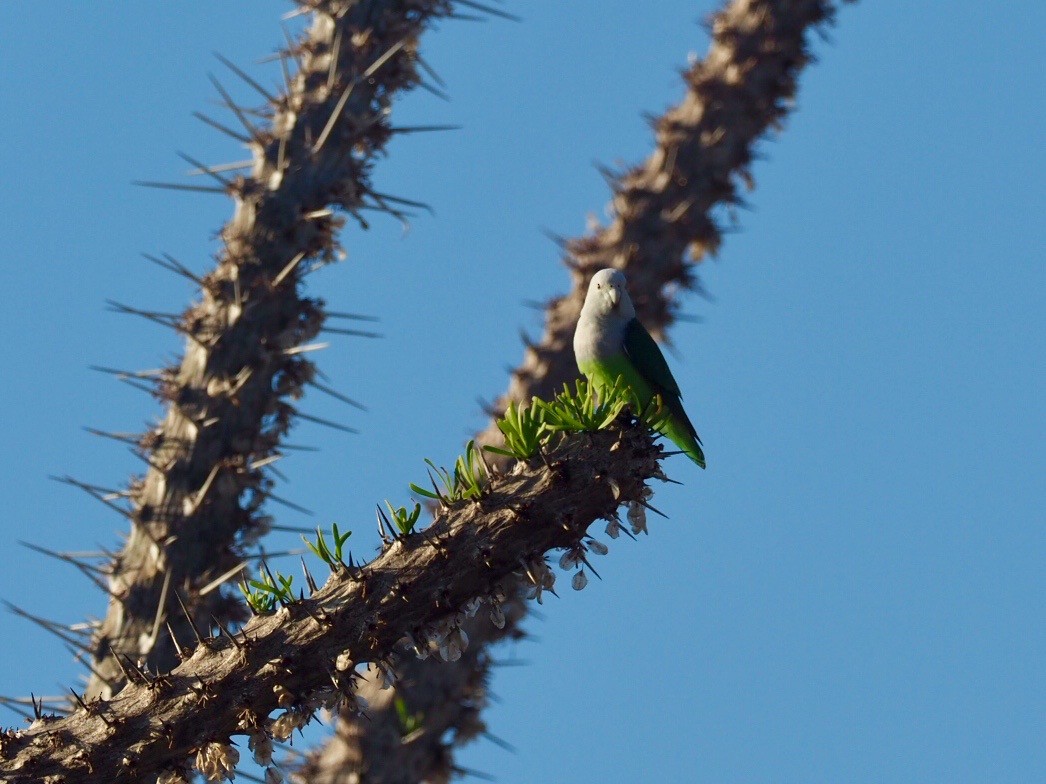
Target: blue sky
x,y
854,589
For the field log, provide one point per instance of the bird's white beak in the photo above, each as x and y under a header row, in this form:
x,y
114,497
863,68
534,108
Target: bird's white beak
x,y
614,296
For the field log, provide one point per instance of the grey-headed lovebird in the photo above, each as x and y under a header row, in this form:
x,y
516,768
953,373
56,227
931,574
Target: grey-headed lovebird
x,y
611,343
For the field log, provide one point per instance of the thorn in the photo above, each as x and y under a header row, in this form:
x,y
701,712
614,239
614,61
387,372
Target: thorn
x,y
669,480
423,64
478,774
87,710
272,579
177,647
265,461
337,395
188,617
197,498
688,318
136,385
175,266
466,17
225,631
350,316
174,186
98,493
589,565
359,333
489,10
558,239
383,206
168,320
339,107
294,529
299,448
499,742
219,127
288,269
226,184
510,662
321,620
232,67
308,577
282,56
430,89
217,581
489,409
221,167
290,352
327,422
424,128
334,57
11,704
83,659
88,570
377,64
126,438
161,607
251,130
289,504
120,664
382,521
139,671
442,499
291,46
400,200
80,700
652,509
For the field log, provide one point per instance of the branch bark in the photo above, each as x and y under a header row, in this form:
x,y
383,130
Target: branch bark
x,y
230,400
663,225
302,657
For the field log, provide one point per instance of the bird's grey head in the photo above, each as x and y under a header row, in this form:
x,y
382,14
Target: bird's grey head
x,y
608,295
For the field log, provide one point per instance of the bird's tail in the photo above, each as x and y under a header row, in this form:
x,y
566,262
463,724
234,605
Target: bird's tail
x,y
681,432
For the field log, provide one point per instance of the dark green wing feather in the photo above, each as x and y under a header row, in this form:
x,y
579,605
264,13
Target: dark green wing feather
x,y
645,354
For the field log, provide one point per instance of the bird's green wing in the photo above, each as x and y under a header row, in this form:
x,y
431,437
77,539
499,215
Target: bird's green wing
x,y
646,355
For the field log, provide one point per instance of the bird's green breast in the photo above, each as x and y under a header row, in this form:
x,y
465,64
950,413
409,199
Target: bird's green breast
x,y
607,370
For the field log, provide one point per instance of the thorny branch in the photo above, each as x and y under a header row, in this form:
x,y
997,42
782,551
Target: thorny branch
x,y
229,402
664,224
304,656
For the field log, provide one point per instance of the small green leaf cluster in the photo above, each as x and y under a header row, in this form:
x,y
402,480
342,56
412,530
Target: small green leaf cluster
x,y
583,409
587,408
332,556
263,594
409,722
467,483
523,428
404,520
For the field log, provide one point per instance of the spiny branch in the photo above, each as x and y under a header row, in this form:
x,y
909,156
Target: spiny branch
x,y
302,657
248,337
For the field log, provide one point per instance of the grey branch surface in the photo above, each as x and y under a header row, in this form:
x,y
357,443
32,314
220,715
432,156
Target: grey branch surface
x,y
302,657
663,225
230,402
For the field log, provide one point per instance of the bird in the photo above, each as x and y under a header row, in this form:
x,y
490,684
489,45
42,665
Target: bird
x,y
610,343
